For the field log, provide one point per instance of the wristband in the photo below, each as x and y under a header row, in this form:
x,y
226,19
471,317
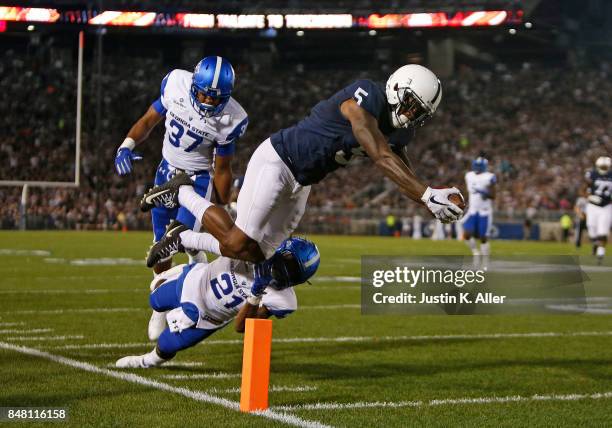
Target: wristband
x,y
426,195
254,300
128,143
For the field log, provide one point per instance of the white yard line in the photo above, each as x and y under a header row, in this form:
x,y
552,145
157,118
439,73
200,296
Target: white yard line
x,y
133,378
22,331
77,291
337,279
106,345
329,307
73,311
444,402
42,338
273,388
361,339
11,324
218,375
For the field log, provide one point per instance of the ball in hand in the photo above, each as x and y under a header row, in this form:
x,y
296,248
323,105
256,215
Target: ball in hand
x,y
457,199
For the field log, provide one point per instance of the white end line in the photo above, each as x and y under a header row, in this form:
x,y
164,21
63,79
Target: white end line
x,y
133,378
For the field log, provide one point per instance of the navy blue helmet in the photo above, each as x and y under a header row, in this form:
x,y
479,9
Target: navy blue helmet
x,y
214,77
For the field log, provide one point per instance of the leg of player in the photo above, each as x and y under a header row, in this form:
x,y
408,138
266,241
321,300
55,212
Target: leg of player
x,y
269,189
224,237
484,225
167,347
469,228
601,248
164,298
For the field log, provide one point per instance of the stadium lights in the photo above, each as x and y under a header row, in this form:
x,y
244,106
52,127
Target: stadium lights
x,y
28,14
260,21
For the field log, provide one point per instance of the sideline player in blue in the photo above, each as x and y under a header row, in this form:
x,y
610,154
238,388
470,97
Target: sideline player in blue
x,y
356,121
477,223
191,302
203,123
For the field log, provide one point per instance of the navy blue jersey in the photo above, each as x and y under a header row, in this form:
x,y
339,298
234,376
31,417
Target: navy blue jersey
x,y
600,187
324,141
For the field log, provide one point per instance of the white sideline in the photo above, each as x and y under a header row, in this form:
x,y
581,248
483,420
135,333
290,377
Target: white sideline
x,y
443,402
31,331
360,339
133,378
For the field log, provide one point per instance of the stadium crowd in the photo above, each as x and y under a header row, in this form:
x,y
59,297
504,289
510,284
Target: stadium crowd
x,y
540,128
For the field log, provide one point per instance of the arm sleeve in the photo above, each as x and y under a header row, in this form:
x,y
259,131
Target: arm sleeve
x,y
493,179
228,147
159,104
280,303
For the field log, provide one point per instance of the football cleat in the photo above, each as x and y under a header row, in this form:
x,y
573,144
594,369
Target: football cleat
x,y
165,195
131,362
157,325
169,245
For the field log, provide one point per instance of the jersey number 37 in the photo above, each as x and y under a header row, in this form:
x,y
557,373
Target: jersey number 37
x,y
176,133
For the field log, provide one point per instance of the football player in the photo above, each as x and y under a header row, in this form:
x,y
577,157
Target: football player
x,y
599,208
203,123
191,302
480,185
356,121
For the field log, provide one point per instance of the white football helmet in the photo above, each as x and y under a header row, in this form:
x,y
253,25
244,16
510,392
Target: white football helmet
x,y
413,87
603,164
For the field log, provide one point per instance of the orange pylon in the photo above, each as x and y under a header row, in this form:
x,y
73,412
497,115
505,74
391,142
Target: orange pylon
x,y
256,365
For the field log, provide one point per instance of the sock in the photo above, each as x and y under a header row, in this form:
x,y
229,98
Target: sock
x,y
601,251
196,256
152,359
196,204
472,244
485,249
200,241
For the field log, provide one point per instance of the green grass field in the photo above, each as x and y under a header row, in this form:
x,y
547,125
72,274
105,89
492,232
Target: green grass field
x,y
330,365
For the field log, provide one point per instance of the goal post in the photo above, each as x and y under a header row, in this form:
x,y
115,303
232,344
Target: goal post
x,y
26,184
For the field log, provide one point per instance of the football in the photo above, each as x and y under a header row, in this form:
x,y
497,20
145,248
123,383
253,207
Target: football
x,y
457,199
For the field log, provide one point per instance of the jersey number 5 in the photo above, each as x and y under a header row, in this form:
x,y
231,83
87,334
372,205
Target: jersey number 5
x,y
359,94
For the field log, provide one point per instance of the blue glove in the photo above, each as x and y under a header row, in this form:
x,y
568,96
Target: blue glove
x,y
123,161
263,278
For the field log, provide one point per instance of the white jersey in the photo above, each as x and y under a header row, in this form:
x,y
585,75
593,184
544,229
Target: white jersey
x,y
477,183
190,138
220,289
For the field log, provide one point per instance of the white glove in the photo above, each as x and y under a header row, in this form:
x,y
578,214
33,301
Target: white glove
x,y
178,321
437,202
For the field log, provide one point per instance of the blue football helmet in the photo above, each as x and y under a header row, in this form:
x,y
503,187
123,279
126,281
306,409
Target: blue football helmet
x,y
294,262
214,77
480,164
